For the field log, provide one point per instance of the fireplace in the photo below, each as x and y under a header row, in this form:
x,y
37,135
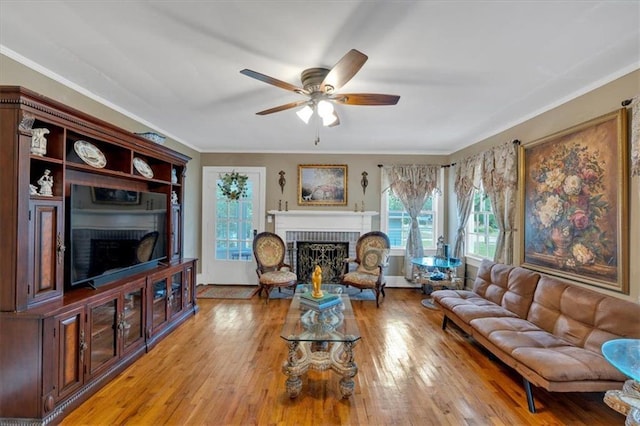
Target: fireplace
x,y
325,231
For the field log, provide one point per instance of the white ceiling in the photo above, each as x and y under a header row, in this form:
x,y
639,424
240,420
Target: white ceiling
x,y
465,70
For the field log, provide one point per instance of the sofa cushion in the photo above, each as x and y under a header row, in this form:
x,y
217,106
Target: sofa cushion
x,y
567,363
469,305
550,356
580,316
508,286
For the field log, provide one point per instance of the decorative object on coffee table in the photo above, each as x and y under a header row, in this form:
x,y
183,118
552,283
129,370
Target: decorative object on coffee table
x,y
316,280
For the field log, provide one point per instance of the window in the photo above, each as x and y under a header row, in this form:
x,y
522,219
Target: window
x,y
395,221
482,230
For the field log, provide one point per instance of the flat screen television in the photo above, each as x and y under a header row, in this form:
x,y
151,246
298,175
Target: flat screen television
x,y
112,233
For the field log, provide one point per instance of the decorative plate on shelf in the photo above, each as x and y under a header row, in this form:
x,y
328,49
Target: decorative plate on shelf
x,y
90,154
142,167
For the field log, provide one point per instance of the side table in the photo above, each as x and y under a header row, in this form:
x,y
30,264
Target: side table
x,y
429,285
624,354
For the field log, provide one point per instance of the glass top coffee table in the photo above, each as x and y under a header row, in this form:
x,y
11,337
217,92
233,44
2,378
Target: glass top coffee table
x,y
320,339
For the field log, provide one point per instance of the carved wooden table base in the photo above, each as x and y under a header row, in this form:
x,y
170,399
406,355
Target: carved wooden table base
x,y
320,356
626,401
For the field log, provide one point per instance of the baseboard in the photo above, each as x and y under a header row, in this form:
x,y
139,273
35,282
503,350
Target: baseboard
x,y
395,281
392,281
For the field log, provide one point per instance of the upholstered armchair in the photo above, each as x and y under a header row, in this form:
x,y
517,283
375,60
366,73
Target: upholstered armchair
x,y
372,251
269,251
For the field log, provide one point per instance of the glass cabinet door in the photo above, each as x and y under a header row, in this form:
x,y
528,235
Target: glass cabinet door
x,y
159,310
131,323
176,293
187,286
103,334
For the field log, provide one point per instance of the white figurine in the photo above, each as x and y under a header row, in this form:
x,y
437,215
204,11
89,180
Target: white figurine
x,y
174,197
46,184
38,141
33,190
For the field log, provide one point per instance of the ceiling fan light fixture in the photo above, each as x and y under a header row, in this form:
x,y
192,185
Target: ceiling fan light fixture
x,y
325,109
329,119
305,114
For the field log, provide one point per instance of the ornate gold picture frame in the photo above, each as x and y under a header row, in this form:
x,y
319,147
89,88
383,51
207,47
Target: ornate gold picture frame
x,y
574,203
322,185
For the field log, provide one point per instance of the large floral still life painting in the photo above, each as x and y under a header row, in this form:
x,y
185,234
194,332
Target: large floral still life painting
x,y
575,203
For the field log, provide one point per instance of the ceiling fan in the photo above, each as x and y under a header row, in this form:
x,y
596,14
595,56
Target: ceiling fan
x,y
320,86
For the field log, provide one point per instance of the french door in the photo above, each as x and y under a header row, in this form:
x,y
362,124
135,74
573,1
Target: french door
x,y
228,226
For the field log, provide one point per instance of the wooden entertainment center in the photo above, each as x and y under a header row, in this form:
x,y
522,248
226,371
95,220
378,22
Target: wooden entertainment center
x,y
59,344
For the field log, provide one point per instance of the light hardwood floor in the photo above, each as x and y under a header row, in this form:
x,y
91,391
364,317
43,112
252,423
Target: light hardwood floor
x,y
223,367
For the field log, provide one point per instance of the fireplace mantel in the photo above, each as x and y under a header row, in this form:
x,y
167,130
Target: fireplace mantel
x,y
321,220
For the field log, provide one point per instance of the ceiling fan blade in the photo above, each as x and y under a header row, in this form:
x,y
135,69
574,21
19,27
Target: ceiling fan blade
x,y
273,81
366,99
344,70
282,107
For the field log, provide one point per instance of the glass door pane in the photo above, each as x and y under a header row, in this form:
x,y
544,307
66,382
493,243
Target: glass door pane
x,y
176,293
159,302
103,333
234,226
132,315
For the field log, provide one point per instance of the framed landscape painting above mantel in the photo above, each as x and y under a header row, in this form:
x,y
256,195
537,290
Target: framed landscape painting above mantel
x,y
322,185
574,203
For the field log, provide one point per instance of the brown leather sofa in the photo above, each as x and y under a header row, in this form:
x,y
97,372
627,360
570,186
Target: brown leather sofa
x,y
548,330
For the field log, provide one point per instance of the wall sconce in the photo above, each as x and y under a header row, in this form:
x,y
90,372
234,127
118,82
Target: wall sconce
x,y
364,182
282,181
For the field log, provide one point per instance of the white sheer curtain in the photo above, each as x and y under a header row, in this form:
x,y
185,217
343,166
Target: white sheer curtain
x,y
412,184
467,179
500,182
